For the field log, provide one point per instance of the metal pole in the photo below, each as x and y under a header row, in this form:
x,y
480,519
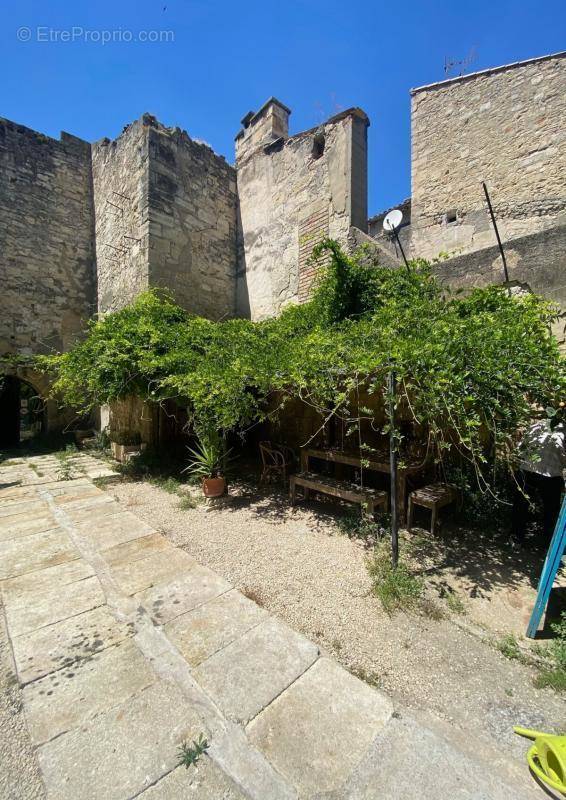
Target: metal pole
x,y
494,223
393,471
401,249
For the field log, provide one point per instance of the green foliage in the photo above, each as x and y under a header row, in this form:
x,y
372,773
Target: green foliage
x,y
468,368
558,645
189,754
171,485
65,471
209,459
359,525
396,587
551,679
187,502
554,675
509,647
455,603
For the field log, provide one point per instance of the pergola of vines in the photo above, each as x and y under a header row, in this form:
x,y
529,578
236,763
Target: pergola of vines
x,y
469,368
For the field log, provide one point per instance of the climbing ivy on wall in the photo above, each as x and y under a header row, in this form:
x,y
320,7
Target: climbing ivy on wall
x,y
468,368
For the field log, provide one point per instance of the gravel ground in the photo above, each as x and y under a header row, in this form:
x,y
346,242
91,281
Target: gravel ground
x,y
297,564
19,771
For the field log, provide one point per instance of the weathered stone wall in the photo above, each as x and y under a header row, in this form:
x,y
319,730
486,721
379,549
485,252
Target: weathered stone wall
x,y
292,193
538,260
46,240
193,223
120,178
165,217
504,126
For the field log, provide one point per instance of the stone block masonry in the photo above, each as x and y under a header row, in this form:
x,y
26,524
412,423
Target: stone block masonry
x,y
193,222
165,217
294,191
47,254
504,126
120,180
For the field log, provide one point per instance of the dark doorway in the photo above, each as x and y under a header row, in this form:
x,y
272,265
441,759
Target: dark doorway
x,y
22,412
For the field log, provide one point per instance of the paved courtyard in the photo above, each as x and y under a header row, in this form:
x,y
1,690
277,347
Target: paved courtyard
x,y
126,647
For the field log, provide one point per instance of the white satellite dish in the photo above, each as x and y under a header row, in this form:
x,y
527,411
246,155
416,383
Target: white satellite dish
x,y
392,220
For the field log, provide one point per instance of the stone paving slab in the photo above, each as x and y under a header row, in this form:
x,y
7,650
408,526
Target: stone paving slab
x,y
35,552
17,508
55,604
214,625
159,568
27,527
168,600
202,782
24,589
134,549
114,529
171,651
408,759
66,643
69,697
324,700
122,751
250,672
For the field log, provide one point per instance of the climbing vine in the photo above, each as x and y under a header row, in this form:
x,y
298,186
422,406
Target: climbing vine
x,y
468,368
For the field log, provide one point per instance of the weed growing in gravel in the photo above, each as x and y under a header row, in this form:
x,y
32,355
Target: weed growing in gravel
x,y
170,485
509,647
358,525
455,603
65,471
396,587
431,609
372,678
189,754
186,503
554,675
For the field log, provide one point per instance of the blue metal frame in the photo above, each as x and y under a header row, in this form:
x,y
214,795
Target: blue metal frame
x,y
551,566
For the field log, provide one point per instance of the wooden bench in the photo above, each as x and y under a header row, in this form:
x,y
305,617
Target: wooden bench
x,y
434,497
371,498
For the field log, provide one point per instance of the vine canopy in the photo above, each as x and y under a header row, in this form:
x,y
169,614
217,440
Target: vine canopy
x,y
474,364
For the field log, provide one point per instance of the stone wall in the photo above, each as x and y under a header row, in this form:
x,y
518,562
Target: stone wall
x,y
165,217
120,178
504,126
538,260
193,222
47,272
294,191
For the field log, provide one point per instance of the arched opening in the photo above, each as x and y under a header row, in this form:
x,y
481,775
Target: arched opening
x,y
22,411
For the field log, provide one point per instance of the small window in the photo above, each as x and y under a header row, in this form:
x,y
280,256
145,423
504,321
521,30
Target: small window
x,y
450,217
318,143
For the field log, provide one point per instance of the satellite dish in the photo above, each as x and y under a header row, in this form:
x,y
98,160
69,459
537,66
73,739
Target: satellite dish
x,y
392,220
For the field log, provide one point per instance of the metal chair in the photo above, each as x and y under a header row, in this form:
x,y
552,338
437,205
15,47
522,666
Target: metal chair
x,y
276,460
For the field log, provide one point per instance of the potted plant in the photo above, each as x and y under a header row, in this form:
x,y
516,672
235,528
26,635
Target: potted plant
x,y
209,462
125,444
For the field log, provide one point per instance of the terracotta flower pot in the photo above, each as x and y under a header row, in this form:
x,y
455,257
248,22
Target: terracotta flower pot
x,y
213,487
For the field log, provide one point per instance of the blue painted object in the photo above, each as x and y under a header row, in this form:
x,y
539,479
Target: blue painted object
x,y
551,566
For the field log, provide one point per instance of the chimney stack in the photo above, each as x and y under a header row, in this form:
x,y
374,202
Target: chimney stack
x,y
263,127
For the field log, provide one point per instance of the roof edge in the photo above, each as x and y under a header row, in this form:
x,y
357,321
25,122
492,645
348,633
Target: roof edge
x,y
488,71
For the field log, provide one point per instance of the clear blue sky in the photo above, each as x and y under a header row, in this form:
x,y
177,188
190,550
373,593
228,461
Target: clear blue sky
x,y
228,57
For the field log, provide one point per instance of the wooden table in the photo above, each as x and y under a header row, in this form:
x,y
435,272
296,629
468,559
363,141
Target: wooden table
x,y
376,463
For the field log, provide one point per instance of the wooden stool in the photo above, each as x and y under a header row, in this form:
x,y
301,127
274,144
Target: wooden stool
x,y
435,496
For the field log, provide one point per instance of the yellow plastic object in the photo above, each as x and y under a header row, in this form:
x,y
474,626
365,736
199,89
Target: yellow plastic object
x,y
547,757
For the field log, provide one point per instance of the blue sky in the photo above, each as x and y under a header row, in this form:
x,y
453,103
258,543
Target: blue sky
x,y
228,57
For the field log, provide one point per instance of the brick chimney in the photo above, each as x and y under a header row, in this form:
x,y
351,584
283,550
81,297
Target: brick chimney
x,y
263,127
